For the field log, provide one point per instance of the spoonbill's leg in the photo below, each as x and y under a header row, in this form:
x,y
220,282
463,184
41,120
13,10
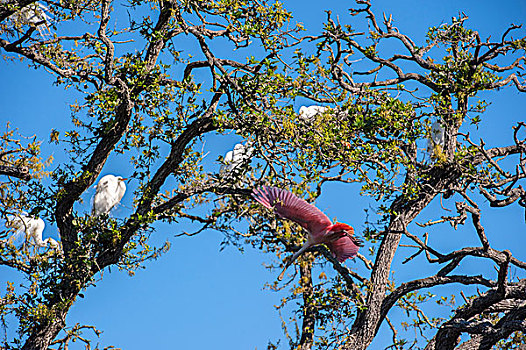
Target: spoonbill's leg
x,y
293,258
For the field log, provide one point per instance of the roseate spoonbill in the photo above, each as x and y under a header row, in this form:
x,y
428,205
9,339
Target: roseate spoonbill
x,y
233,159
436,140
338,237
109,193
308,113
33,228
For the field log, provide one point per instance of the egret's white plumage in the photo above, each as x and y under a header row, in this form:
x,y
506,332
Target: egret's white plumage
x,y
436,138
309,113
33,14
109,193
33,228
233,159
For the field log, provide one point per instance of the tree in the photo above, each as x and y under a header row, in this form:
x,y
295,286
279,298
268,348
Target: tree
x,y
146,100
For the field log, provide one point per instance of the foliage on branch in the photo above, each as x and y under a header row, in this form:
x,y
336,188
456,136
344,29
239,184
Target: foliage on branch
x,y
179,72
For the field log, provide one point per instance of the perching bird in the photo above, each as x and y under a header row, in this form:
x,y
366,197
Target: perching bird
x,y
338,237
109,193
309,113
33,228
233,159
436,141
35,15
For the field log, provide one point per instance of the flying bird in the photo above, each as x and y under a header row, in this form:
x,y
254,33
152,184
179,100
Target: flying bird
x,y
338,237
109,193
309,113
33,228
233,159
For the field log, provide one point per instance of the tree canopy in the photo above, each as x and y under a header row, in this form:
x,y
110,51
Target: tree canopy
x,y
154,81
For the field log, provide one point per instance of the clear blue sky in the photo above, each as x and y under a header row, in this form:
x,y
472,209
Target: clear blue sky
x,y
196,297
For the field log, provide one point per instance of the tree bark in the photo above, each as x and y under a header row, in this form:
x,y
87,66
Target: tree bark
x,y
404,211
15,171
309,309
43,336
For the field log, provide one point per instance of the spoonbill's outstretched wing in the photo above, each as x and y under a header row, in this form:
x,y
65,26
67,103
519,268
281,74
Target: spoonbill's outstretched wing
x,y
287,205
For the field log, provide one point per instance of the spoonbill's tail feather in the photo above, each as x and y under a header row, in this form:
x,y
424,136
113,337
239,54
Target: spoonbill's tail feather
x,y
343,248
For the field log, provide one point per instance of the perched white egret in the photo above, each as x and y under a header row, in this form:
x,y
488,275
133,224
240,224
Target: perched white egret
x,y
33,228
233,159
436,140
33,14
109,193
309,113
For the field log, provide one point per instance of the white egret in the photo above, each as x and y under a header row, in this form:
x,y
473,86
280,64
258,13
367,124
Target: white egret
x,y
33,14
436,140
33,228
109,193
233,159
309,113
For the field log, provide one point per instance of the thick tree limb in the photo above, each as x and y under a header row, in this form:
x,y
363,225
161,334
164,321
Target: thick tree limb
x,y
309,306
447,336
429,282
20,172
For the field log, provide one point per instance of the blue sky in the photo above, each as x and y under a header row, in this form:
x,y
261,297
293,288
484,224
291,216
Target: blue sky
x,y
198,297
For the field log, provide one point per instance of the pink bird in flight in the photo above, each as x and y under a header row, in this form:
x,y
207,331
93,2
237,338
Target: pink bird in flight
x,y
338,237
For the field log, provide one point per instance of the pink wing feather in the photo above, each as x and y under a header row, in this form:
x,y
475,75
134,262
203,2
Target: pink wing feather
x,y
344,248
287,205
